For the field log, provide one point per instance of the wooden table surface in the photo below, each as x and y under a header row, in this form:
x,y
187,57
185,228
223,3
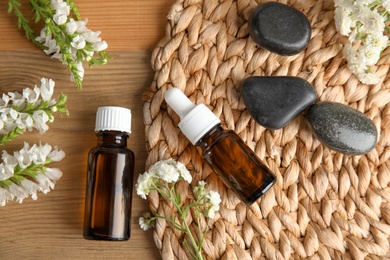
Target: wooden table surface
x,y
51,227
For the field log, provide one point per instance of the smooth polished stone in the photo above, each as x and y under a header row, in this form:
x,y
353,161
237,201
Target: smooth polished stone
x,y
274,101
279,28
342,128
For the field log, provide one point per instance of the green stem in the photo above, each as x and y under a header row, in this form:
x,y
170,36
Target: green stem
x,y
187,231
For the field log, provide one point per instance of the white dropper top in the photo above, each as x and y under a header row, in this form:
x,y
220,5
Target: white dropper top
x,y
195,120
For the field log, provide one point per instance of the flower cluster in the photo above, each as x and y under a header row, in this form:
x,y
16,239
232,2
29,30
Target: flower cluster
x,y
65,36
25,173
364,24
162,177
33,108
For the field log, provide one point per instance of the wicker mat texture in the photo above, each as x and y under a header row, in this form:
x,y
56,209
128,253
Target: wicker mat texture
x,y
325,205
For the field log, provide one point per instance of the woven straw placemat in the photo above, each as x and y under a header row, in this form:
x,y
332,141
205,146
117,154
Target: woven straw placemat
x,y
325,205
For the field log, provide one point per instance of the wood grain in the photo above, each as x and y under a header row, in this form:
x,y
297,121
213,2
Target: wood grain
x,y
125,25
51,227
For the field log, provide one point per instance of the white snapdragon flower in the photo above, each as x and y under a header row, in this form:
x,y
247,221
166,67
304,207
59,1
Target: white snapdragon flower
x,y
61,6
5,196
44,182
18,192
40,118
41,153
53,174
31,95
47,88
60,17
56,155
4,101
31,187
18,100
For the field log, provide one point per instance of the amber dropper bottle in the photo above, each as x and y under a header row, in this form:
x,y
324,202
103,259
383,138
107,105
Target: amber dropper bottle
x,y
110,177
223,150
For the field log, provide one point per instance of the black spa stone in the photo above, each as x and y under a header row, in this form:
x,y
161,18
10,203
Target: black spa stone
x,y
279,28
342,128
274,101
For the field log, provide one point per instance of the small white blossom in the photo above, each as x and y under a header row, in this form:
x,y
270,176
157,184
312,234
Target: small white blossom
x,y
5,196
31,95
56,155
143,184
31,187
146,222
343,21
60,17
215,199
47,88
4,101
18,192
44,182
54,174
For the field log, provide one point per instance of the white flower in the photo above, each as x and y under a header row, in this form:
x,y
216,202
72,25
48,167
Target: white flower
x,y
5,196
215,199
31,95
100,46
40,119
71,26
41,153
373,21
184,173
60,17
145,223
143,184
18,192
56,155
31,187
4,101
17,99
5,173
78,42
24,157
54,174
343,20
24,120
44,183
368,78
60,5
47,88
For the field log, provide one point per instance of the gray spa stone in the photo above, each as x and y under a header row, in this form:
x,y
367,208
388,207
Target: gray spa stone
x,y
279,28
342,128
274,101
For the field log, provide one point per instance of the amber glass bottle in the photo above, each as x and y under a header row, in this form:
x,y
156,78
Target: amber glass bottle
x,y
224,151
110,178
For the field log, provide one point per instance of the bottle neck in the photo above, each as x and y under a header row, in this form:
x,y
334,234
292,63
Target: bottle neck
x,y
210,137
114,138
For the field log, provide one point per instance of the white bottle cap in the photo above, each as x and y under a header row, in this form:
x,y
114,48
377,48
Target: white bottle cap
x,y
114,119
195,121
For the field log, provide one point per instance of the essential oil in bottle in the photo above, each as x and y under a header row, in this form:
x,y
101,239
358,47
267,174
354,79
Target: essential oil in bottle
x,y
110,177
223,150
